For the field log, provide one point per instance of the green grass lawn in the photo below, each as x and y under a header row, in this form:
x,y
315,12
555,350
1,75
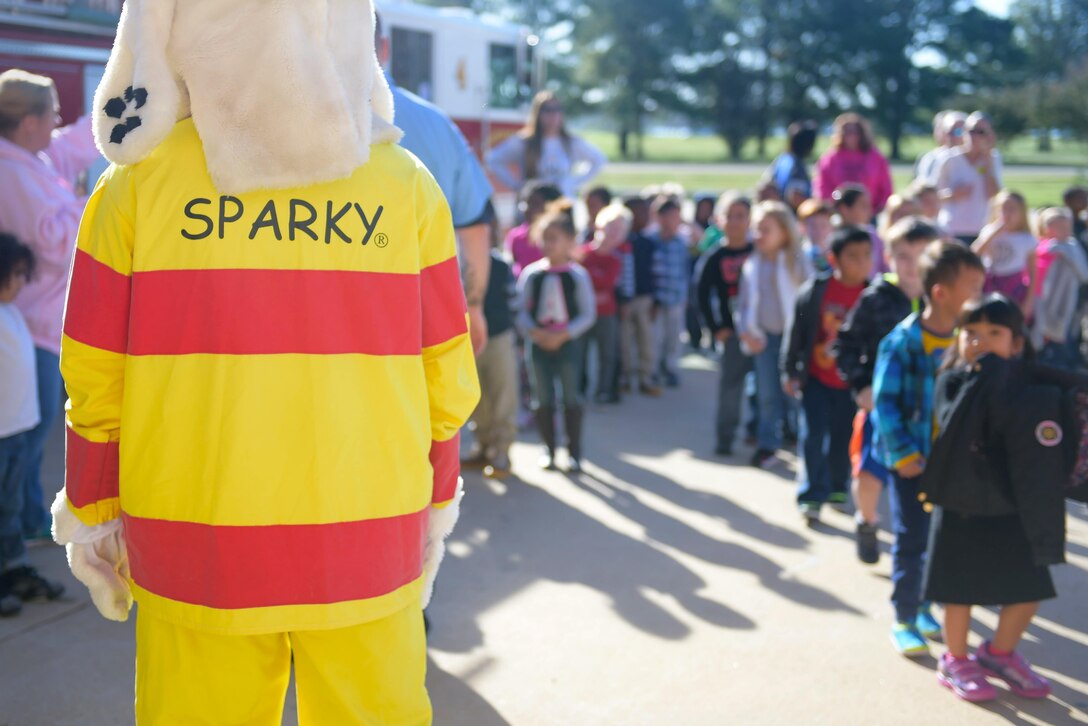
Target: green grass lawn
x,y
1040,190
711,149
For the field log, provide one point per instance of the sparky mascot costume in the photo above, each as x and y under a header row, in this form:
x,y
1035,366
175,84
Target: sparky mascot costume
x,y
267,358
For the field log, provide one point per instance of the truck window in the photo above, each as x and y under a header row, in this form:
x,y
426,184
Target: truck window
x,y
505,86
411,61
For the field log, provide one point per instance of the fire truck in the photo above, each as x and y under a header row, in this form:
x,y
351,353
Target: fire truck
x,y
479,70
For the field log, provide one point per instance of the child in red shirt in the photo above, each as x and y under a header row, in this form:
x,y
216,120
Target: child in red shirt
x,y
602,260
809,369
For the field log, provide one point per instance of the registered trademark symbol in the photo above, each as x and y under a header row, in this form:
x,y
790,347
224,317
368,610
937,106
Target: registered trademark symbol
x,y
381,240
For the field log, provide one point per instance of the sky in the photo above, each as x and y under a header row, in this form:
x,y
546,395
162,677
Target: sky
x,y
994,7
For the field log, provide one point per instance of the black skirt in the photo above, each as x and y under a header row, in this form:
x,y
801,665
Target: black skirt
x,y
982,561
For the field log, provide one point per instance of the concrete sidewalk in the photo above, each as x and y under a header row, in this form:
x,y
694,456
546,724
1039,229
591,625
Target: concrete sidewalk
x,y
661,586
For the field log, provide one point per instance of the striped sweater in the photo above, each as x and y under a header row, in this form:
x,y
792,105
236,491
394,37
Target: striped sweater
x,y
267,388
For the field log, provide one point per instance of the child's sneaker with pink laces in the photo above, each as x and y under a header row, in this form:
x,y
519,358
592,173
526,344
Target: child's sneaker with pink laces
x,y
965,678
1015,671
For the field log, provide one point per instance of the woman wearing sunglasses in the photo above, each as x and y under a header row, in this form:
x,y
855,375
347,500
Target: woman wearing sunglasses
x,y
968,178
545,151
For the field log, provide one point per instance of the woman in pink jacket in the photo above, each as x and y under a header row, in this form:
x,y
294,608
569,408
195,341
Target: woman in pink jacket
x,y
853,157
40,207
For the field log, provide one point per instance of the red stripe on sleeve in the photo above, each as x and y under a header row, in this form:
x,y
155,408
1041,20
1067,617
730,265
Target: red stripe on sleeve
x,y
91,470
443,303
446,461
255,312
98,305
249,567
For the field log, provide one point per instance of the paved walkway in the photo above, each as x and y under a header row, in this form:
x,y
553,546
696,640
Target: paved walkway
x,y
660,587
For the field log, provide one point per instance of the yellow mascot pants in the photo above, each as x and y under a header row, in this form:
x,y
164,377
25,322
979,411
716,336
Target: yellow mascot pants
x,y
371,674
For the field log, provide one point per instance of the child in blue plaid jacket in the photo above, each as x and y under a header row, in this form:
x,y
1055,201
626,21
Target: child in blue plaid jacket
x,y
903,385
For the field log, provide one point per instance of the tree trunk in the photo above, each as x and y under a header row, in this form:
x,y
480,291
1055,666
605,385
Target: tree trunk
x,y
624,148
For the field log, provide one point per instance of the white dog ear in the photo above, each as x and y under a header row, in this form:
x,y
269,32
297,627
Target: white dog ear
x,y
137,103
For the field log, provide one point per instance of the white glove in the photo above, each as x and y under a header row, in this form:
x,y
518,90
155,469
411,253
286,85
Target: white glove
x,y
97,557
438,528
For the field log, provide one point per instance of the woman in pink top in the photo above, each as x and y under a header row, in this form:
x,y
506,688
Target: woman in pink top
x,y
38,163
853,157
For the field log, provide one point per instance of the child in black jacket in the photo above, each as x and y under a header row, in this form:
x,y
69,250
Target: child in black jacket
x,y
998,472
889,300
808,369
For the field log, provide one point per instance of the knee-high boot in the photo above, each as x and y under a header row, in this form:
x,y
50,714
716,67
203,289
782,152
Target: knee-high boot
x,y
545,423
572,417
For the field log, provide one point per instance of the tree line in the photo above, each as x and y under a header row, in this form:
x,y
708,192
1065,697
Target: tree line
x,y
747,67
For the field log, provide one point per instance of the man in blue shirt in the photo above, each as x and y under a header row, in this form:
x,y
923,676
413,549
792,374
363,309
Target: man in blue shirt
x,y
435,139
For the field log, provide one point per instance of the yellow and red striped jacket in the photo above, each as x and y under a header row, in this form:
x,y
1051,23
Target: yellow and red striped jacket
x,y
268,388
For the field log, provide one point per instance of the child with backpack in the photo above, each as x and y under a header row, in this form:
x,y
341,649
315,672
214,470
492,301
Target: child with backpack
x,y
889,300
809,371
998,474
557,308
906,372
495,422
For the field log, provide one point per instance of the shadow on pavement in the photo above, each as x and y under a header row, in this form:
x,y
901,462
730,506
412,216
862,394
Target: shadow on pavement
x,y
529,536
457,702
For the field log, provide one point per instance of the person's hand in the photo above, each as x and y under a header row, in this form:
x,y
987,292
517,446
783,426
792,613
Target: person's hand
x,y
792,387
865,399
439,526
912,469
723,335
98,557
477,328
755,345
961,192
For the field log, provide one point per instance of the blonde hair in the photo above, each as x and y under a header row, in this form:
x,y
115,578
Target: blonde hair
x,y
615,212
1048,216
783,217
1007,196
24,94
897,208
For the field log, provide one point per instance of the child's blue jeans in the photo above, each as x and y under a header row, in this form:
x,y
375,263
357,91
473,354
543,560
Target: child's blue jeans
x,y
910,524
773,403
826,426
14,456
563,367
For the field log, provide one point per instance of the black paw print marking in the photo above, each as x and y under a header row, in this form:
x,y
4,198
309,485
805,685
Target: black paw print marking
x,y
116,108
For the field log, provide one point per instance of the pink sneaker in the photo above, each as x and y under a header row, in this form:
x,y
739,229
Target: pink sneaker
x,y
1015,671
965,678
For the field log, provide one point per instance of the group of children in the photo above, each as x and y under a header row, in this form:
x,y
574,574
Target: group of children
x,y
591,312
869,340
859,341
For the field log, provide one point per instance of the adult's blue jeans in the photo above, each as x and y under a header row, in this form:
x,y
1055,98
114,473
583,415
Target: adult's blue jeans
x,y
13,457
35,514
827,416
910,524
